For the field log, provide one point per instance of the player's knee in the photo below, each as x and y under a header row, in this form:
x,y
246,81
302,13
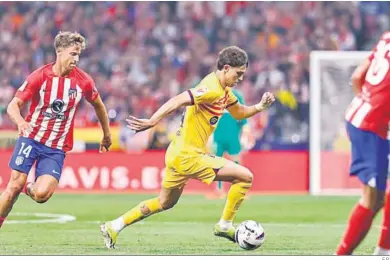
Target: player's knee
x,y
247,176
167,204
42,195
379,203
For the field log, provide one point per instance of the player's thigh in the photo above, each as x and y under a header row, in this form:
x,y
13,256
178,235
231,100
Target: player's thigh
x,y
169,197
173,180
205,167
25,153
50,163
45,185
233,172
369,157
48,171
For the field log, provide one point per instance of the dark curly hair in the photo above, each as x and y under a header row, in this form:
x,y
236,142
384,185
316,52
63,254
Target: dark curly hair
x,y
233,56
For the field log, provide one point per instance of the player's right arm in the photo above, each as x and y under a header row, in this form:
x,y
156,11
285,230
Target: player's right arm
x,y
23,94
13,111
359,75
138,125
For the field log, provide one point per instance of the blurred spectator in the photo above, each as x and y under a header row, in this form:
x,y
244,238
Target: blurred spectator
x,y
142,53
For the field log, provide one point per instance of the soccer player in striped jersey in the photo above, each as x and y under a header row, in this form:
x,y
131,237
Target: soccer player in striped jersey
x,y
46,134
368,118
186,157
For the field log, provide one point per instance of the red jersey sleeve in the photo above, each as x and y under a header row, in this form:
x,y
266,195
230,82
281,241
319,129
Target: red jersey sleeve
x,y
91,91
30,86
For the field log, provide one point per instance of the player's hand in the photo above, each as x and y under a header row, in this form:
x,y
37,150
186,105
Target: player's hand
x,y
24,128
105,144
266,100
139,125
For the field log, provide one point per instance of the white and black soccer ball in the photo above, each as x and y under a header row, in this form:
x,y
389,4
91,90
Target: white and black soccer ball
x,y
250,235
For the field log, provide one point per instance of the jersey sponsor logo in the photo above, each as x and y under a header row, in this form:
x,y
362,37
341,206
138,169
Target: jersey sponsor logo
x,y
19,160
214,120
53,115
200,91
57,106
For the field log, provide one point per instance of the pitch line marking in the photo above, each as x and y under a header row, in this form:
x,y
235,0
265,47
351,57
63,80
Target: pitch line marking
x,y
48,218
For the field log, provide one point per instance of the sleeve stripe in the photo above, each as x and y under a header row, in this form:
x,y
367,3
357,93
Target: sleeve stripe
x,y
192,97
235,102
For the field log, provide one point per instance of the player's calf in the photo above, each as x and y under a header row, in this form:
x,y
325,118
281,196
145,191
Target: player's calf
x,y
11,193
165,203
166,200
360,220
383,247
241,179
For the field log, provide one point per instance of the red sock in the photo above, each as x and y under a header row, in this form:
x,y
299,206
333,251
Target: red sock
x,y
358,226
24,190
2,219
384,240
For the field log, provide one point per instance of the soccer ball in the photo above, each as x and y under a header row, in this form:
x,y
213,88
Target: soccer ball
x,y
249,235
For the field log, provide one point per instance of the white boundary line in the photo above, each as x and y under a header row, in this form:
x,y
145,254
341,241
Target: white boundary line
x,y
49,218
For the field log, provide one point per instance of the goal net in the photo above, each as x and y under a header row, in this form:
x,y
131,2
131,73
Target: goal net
x,y
330,94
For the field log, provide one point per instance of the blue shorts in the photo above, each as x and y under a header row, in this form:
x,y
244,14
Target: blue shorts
x,y
48,160
369,157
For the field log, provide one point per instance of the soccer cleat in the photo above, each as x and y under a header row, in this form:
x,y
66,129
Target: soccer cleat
x,y
109,235
229,234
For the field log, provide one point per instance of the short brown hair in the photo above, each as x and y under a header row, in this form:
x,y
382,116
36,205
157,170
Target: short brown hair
x,y
67,39
233,56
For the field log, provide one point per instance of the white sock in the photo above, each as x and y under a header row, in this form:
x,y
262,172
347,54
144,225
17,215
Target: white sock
x,y
118,224
381,251
225,225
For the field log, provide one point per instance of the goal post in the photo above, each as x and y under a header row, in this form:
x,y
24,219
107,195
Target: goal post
x,y
330,94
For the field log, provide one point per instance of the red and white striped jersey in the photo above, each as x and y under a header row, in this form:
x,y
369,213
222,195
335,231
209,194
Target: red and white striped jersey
x,y
54,102
370,109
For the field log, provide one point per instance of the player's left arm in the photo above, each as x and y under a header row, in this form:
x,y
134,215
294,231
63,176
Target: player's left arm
x,y
240,112
359,75
94,99
240,99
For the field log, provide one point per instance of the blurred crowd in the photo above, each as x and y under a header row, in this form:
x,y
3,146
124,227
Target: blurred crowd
x,y
142,53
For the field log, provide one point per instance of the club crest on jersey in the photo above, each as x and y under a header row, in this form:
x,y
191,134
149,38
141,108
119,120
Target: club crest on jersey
x,y
57,106
72,93
213,120
200,91
19,160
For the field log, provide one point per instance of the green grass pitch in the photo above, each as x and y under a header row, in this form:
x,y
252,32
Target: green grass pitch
x,y
294,225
